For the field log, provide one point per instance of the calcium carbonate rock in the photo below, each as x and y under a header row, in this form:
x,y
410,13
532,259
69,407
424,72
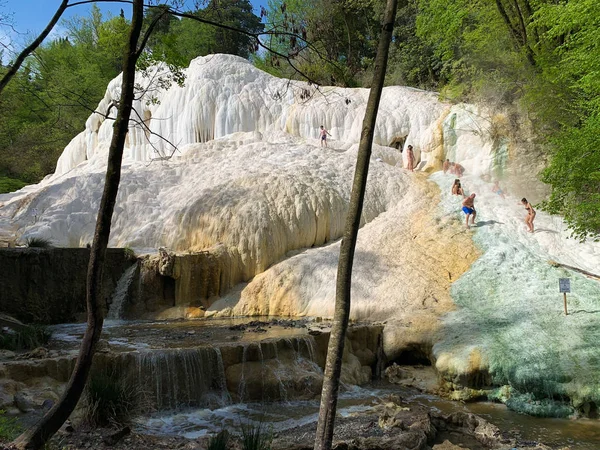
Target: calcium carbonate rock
x,y
259,203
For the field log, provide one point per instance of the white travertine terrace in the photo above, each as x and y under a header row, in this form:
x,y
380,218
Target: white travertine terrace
x,y
249,178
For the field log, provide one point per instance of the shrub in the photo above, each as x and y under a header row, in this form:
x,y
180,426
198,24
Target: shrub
x,y
111,400
38,242
25,339
255,437
219,441
10,185
129,253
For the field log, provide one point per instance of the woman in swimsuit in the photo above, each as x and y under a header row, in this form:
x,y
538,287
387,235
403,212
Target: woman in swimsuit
x,y
530,214
457,188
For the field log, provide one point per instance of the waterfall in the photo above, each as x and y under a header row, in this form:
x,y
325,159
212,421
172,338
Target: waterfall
x,y
176,378
120,294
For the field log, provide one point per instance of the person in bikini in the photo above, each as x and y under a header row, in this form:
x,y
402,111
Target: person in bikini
x,y
457,188
323,134
468,207
530,214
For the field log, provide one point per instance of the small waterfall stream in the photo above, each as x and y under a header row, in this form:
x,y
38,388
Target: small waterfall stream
x,y
176,378
120,294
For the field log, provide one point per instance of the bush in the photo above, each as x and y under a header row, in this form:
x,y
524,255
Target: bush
x,y
10,185
255,437
219,441
9,428
110,400
26,339
38,242
129,253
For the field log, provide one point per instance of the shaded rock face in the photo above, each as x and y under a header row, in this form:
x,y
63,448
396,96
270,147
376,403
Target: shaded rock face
x,y
48,285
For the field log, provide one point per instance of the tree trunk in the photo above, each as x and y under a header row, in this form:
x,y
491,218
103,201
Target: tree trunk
x,y
36,437
333,366
31,47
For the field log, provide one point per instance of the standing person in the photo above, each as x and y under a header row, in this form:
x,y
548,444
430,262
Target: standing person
x,y
530,214
468,207
446,166
459,170
323,134
410,156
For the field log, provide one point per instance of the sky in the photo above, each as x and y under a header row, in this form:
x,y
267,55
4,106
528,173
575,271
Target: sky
x,y
30,17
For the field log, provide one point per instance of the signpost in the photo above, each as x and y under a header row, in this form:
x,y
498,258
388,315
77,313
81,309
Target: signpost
x,y
564,285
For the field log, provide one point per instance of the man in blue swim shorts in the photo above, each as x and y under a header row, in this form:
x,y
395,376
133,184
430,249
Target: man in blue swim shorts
x,y
468,207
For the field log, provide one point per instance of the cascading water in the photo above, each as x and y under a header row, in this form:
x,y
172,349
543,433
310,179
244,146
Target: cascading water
x,y
176,378
119,297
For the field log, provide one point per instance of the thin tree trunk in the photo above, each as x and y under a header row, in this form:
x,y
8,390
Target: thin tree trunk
x,y
35,437
31,47
333,366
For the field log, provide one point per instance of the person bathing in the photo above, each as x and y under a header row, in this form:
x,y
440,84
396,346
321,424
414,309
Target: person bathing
x,y
468,207
530,214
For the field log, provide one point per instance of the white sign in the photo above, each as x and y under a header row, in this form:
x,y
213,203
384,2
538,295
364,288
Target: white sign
x,y
564,285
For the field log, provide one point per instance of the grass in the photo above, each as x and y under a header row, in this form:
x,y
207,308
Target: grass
x,y
10,185
219,441
26,339
38,242
9,428
111,400
255,437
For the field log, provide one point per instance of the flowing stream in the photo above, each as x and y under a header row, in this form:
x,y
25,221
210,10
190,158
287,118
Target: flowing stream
x,y
284,416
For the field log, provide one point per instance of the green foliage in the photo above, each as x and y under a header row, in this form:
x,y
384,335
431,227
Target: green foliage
x,y
28,338
111,400
574,174
48,101
179,41
38,242
129,253
219,442
10,184
255,437
9,427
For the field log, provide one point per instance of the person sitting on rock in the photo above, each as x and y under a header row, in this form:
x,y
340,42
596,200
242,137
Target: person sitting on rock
x,y
458,170
446,165
468,207
457,188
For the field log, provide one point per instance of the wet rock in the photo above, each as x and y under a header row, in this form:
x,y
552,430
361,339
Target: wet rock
x,y
314,332
102,346
38,353
6,354
392,415
113,438
6,399
447,445
468,424
166,261
47,404
24,402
